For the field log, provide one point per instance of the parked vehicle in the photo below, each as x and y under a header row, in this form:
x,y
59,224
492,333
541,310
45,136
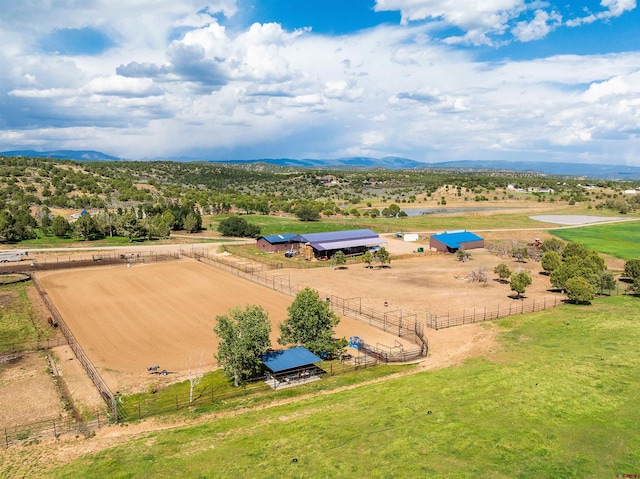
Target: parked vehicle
x,y
12,256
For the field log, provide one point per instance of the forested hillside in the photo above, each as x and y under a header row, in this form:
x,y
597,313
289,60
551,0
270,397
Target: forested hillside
x,y
150,199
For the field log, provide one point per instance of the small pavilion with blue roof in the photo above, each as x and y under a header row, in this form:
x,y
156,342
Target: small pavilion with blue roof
x,y
291,367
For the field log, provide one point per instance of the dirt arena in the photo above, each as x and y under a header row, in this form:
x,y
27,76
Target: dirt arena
x,y
128,318
435,284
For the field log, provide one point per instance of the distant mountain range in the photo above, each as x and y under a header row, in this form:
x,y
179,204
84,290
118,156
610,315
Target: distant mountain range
x,y
587,171
613,172
79,155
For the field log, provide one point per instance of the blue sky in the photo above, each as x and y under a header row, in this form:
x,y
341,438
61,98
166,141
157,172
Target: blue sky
x,y
430,80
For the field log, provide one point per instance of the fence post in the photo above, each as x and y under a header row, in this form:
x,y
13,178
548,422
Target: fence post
x,y
55,433
176,402
139,415
6,437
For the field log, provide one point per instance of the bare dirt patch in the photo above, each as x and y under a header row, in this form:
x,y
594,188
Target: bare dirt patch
x,y
431,284
27,391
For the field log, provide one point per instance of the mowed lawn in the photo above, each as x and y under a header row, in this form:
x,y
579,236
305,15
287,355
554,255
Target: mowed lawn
x,y
558,398
621,240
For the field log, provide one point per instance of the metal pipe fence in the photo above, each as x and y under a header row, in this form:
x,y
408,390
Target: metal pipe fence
x,y
110,258
82,357
207,396
35,345
391,322
49,428
480,314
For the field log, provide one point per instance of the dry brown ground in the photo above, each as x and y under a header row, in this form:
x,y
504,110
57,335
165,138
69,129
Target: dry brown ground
x,y
433,283
28,393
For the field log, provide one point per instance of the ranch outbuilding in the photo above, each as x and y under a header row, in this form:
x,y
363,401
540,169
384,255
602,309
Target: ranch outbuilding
x,y
275,243
291,366
350,242
451,241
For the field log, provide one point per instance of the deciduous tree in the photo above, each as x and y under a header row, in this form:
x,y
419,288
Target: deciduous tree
x,y
60,226
238,226
307,212
85,227
503,271
368,258
339,259
244,336
310,324
632,268
520,281
383,256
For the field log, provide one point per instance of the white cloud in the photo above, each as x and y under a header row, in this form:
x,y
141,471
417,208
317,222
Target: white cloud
x,y
479,20
122,86
265,91
617,86
613,8
541,25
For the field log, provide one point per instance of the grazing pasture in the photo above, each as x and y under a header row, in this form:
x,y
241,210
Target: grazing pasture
x,y
558,398
620,239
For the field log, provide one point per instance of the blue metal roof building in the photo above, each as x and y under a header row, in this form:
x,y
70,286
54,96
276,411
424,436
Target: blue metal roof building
x,y
350,241
335,236
289,359
273,243
279,238
453,240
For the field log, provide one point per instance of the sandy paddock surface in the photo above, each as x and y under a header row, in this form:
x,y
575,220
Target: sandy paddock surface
x,y
161,314
433,283
28,393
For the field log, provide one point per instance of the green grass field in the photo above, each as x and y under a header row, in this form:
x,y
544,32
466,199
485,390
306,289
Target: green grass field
x,y
16,325
215,392
287,224
558,399
621,240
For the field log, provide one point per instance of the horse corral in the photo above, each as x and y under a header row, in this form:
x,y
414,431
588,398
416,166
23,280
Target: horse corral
x,y
129,318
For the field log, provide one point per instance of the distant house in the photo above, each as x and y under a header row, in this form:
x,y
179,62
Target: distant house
x,y
275,243
451,241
